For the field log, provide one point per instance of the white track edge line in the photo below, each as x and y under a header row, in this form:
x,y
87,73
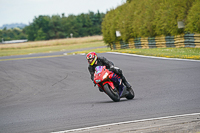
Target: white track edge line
x,y
126,122
154,57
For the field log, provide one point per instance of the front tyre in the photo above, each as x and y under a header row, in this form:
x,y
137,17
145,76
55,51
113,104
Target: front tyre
x,y
111,93
131,94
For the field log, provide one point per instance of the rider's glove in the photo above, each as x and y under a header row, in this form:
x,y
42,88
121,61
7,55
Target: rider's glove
x,y
112,68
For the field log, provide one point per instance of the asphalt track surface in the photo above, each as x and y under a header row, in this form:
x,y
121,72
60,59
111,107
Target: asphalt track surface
x,y
49,94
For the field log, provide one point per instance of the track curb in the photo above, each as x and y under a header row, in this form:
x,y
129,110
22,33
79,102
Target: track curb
x,y
182,123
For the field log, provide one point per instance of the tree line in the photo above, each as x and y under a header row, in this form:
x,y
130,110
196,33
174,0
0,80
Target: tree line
x,y
46,27
150,18
135,18
56,26
12,34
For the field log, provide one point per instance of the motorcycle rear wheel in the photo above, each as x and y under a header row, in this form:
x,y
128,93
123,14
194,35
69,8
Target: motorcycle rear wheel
x,y
131,94
111,93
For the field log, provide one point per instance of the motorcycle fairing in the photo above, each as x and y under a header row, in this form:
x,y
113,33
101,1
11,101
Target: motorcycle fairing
x,y
112,76
117,80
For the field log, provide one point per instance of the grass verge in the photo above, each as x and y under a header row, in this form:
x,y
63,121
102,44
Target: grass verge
x,y
48,49
56,42
182,53
89,42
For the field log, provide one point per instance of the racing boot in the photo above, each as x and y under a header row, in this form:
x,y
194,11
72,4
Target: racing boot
x,y
128,86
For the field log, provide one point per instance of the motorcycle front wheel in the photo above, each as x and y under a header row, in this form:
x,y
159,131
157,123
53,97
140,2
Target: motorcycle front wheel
x,y
112,93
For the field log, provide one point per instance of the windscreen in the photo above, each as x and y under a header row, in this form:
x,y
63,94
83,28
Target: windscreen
x,y
98,69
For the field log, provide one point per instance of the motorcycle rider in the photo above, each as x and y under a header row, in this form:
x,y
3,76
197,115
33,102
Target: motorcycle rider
x,y
94,61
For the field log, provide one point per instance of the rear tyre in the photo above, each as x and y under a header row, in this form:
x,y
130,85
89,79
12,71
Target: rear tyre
x,y
112,93
131,94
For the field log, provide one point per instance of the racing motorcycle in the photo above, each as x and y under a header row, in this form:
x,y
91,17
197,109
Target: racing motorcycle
x,y
112,84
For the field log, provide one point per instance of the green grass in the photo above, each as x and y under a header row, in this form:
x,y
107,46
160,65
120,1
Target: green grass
x,y
47,49
183,53
89,42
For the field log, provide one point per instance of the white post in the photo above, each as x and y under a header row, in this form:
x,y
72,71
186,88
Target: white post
x,y
71,35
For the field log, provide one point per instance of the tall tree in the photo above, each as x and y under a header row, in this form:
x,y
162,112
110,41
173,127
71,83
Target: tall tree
x,y
45,27
193,18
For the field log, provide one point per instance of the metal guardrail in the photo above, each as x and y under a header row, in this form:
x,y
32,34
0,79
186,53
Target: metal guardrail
x,y
14,41
186,40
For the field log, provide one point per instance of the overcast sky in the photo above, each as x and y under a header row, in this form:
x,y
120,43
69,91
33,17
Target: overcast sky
x,y
24,11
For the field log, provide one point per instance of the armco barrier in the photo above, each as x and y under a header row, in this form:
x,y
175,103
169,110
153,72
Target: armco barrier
x,y
197,40
189,40
186,40
152,42
170,42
